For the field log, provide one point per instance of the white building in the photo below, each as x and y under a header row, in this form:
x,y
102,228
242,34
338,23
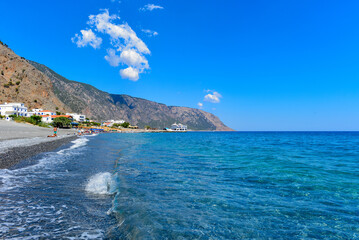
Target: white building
x,y
116,121
8,109
178,127
50,118
46,119
40,112
45,112
77,117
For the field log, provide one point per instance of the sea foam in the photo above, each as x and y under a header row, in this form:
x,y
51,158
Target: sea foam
x,y
100,183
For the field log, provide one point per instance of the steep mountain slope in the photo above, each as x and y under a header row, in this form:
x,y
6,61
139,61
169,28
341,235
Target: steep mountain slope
x,y
22,82
51,90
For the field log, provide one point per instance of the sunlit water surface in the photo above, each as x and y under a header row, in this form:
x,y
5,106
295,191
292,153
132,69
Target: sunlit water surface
x,y
187,186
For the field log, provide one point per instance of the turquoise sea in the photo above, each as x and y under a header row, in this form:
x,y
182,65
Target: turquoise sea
x,y
195,185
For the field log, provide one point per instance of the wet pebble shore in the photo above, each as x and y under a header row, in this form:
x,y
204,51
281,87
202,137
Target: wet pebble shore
x,y
14,155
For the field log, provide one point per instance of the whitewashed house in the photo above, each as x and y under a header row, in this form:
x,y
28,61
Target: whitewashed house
x,y
45,112
178,127
46,119
40,112
111,122
50,118
8,109
77,117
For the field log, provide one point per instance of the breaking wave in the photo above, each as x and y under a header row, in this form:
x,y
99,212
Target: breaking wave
x,y
100,183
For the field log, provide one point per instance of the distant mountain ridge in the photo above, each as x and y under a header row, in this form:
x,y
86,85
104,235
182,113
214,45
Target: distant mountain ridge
x,y
38,86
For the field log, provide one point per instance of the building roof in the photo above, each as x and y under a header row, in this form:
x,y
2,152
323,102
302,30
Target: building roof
x,y
56,116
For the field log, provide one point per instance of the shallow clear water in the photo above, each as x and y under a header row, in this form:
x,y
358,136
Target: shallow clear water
x,y
187,186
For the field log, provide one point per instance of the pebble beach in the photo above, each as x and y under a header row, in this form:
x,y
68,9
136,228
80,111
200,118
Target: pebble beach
x,y
19,141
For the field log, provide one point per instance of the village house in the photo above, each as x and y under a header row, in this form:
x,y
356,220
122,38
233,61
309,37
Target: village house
x,y
50,118
77,117
8,109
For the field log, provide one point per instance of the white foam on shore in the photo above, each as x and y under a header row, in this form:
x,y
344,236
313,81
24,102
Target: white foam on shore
x,y
10,179
100,183
79,142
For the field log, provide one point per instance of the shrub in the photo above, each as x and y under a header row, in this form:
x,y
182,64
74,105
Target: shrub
x,y
35,101
2,72
61,122
18,83
125,124
36,119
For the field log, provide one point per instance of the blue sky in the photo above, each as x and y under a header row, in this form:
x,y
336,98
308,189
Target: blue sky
x,y
267,65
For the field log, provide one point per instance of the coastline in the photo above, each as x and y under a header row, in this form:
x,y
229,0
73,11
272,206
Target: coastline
x,y
14,155
19,141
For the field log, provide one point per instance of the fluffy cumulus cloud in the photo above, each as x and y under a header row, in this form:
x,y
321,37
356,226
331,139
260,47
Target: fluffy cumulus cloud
x,y
200,104
112,58
87,37
130,73
150,7
150,32
132,58
212,96
128,49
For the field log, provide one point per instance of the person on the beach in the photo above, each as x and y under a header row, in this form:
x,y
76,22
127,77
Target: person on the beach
x,y
55,131
79,132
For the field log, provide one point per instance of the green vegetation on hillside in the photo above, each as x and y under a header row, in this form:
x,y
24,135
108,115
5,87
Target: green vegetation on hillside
x,y
34,120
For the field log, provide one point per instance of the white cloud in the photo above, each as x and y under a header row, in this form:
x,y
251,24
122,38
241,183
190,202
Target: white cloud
x,y
111,57
88,38
132,58
212,96
130,73
131,49
150,32
121,35
200,104
150,7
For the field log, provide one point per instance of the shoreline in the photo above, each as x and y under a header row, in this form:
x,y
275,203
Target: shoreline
x,y
14,155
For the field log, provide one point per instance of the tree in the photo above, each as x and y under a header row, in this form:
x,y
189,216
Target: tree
x,y
61,122
58,113
147,127
125,124
36,119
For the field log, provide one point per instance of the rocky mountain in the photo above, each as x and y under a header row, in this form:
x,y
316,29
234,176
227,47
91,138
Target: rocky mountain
x,y
38,86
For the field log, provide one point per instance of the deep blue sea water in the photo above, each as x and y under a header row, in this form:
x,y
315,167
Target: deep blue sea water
x,y
195,185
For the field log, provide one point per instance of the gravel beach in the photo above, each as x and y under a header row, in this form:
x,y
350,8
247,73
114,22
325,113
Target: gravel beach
x,y
13,130
20,141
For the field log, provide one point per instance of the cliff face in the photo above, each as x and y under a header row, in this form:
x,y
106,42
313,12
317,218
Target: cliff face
x,y
22,82
38,86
